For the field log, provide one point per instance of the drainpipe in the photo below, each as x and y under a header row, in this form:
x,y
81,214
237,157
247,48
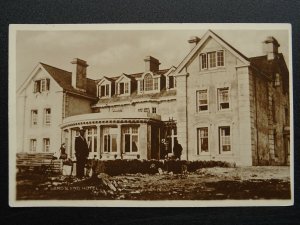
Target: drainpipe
x,y
23,130
256,123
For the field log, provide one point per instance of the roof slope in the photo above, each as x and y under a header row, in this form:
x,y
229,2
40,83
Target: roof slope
x,y
136,97
64,79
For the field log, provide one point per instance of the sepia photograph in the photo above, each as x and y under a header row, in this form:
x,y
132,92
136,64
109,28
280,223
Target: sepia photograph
x,y
173,115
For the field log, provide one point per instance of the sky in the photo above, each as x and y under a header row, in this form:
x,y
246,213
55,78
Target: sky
x,y
113,52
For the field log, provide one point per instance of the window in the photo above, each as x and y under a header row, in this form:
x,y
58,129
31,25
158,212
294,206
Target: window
x,y
47,116
146,110
109,139
34,117
130,139
121,88
148,82
140,110
107,90
153,109
277,80
32,145
202,140
171,82
46,147
141,82
104,90
203,58
91,136
126,88
37,86
212,59
220,58
223,98
224,137
41,85
155,83
202,100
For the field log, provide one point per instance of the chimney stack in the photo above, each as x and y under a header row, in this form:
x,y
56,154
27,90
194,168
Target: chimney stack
x,y
79,74
270,47
151,64
193,41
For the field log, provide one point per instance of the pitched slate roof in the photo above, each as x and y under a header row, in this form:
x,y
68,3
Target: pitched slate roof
x,y
270,67
64,79
135,75
136,97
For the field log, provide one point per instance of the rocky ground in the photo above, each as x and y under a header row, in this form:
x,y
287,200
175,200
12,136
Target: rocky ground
x,y
205,184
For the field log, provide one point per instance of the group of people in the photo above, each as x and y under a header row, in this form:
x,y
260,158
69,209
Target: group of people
x,y
82,152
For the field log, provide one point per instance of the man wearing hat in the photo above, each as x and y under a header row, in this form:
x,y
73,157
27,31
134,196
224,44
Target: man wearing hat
x,y
81,153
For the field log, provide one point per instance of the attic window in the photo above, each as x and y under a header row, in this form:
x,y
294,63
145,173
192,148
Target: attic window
x,y
212,60
104,90
172,82
123,88
149,83
41,85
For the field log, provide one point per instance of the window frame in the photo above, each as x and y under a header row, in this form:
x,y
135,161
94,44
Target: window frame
x,y
46,144
199,149
91,138
33,144
198,105
108,137
132,131
221,151
218,98
34,117
47,117
212,60
202,61
104,90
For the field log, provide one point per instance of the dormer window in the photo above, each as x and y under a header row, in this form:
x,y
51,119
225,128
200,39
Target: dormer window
x,y
103,90
172,82
150,83
123,88
210,60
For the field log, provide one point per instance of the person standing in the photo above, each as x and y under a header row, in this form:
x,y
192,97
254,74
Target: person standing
x,y
81,153
177,150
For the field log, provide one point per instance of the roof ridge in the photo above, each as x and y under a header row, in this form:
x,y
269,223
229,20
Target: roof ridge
x,y
241,54
54,67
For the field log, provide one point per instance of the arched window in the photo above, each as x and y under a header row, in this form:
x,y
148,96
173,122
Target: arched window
x,y
148,80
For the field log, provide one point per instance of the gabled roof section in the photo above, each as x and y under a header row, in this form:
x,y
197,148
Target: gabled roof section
x,y
170,71
64,79
270,67
110,79
124,76
206,36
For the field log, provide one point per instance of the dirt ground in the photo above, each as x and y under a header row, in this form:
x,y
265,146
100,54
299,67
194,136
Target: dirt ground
x,y
205,184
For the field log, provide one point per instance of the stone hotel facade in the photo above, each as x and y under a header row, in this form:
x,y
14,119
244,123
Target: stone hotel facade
x,y
218,104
